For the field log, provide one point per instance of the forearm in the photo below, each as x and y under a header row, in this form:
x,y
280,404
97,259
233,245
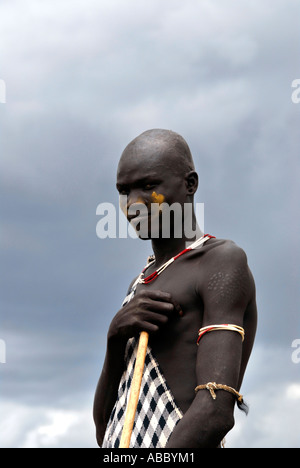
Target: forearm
x,y
107,388
202,428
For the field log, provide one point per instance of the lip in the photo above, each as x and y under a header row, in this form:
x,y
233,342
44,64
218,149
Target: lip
x,y
137,219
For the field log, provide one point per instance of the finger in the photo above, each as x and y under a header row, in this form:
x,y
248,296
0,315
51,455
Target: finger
x,y
168,299
149,327
160,307
156,318
157,295
163,296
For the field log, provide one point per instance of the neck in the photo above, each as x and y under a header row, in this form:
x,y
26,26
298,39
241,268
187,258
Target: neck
x,y
164,249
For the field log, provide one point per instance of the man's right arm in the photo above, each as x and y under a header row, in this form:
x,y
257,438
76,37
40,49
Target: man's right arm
x,y
147,311
108,384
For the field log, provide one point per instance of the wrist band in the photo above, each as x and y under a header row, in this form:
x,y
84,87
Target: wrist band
x,y
212,386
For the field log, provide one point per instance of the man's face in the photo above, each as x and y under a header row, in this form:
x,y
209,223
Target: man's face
x,y
148,185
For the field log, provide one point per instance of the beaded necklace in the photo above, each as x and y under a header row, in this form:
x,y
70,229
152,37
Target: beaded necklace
x,y
159,270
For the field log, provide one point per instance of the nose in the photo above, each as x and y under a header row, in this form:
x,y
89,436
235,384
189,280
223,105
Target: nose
x,y
134,197
136,209
136,205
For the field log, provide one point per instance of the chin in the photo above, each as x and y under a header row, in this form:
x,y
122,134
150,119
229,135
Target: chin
x,y
143,238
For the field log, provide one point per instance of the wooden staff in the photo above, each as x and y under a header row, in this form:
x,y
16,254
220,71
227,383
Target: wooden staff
x,y
134,390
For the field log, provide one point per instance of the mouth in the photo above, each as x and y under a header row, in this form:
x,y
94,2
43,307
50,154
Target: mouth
x,y
135,220
141,224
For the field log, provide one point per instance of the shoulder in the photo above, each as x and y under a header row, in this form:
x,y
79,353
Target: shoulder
x,y
227,278
222,253
225,253
219,255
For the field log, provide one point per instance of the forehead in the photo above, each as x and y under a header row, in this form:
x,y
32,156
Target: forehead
x,y
139,162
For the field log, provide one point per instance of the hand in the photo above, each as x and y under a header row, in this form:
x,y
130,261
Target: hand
x,y
147,311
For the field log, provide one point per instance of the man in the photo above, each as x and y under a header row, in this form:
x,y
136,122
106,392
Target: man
x,y
188,391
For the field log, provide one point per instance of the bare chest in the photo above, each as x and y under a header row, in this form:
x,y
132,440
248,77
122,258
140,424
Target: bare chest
x,y
175,345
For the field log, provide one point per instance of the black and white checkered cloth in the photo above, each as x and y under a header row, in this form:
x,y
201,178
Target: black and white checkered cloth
x,y
157,413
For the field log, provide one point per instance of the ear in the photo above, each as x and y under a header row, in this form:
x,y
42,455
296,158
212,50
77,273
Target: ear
x,y
191,180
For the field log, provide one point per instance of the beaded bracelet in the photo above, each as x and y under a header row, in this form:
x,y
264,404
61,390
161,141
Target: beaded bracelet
x,y
223,326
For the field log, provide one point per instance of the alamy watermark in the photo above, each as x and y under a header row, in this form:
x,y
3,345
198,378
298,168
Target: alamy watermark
x,y
2,92
296,353
296,93
159,220
2,352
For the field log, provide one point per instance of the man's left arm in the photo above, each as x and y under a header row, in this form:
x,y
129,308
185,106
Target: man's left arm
x,y
228,294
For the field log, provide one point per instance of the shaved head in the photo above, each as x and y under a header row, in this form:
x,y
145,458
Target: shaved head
x,y
157,168
166,145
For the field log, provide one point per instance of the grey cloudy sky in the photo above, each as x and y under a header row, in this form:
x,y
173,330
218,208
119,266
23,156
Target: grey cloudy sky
x,y
84,78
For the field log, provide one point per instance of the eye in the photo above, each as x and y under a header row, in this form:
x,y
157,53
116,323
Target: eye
x,y
123,190
149,186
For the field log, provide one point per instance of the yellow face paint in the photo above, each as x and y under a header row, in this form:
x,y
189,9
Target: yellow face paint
x,y
157,198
